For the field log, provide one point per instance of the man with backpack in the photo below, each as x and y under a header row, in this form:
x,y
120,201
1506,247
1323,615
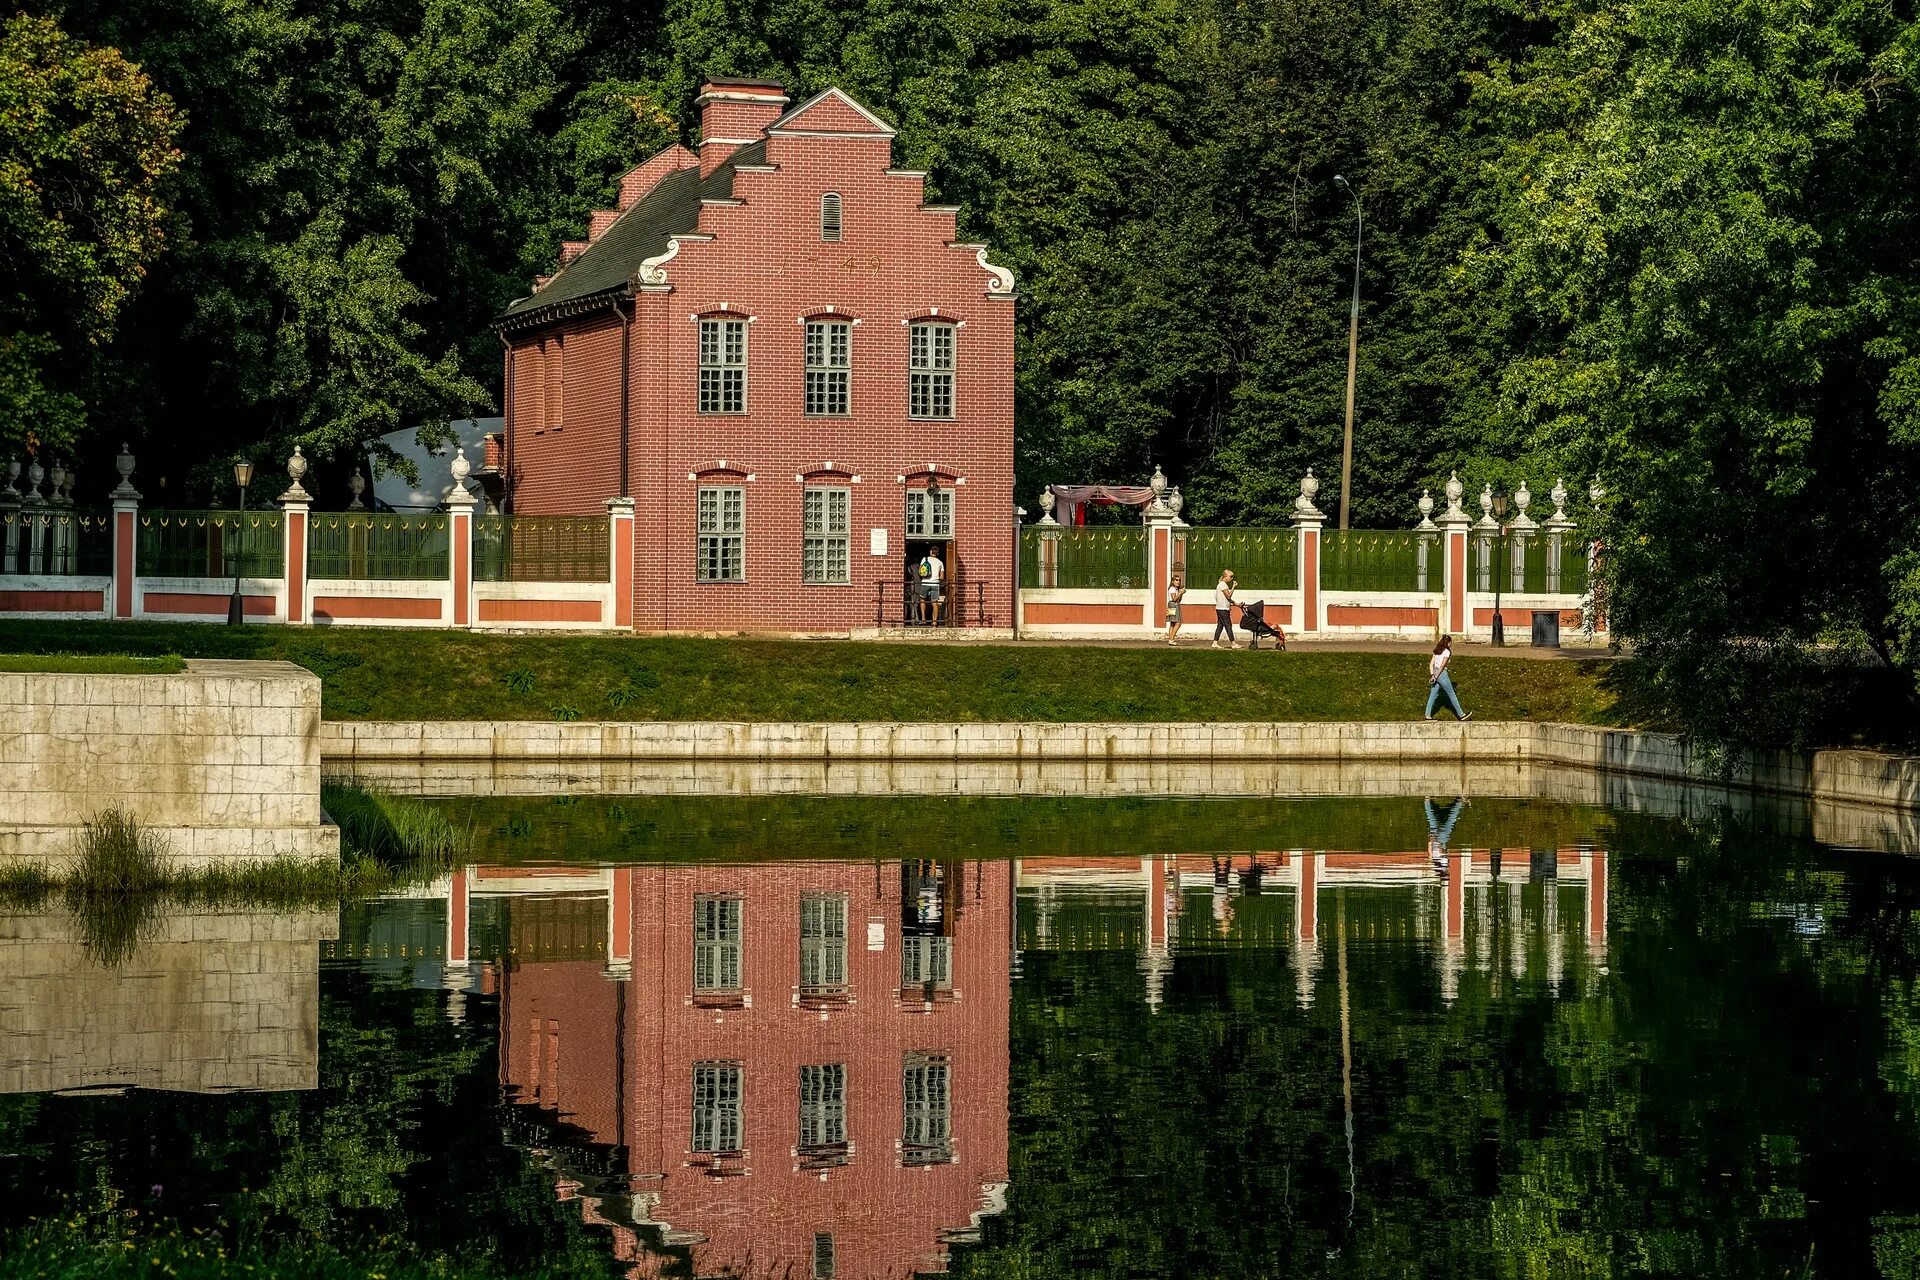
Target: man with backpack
x,y
931,573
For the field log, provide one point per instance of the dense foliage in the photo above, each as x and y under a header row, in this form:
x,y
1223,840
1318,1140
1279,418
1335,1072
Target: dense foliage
x,y
1668,242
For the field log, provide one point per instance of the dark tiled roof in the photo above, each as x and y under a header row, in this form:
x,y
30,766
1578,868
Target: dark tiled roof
x,y
607,265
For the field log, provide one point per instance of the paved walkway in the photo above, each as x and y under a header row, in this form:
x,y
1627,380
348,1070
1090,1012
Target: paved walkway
x,y
1198,637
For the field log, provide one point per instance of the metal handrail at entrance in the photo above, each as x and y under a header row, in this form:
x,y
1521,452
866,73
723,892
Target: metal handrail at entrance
x,y
963,603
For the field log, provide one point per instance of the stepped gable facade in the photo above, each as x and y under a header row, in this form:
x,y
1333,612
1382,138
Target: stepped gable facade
x,y
789,362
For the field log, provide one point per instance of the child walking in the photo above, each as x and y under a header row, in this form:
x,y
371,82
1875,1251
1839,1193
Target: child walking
x,y
1439,682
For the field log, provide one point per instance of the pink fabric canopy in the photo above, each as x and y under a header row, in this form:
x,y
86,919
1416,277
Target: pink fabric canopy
x,y
1131,495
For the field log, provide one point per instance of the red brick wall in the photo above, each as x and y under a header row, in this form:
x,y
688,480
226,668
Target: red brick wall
x,y
893,263
566,456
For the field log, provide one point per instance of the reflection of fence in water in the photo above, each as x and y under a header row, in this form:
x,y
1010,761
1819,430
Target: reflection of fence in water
x,y
378,546
55,543
540,549
1364,560
210,544
1267,559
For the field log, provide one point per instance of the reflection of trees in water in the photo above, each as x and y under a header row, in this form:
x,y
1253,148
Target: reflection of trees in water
x,y
1732,1092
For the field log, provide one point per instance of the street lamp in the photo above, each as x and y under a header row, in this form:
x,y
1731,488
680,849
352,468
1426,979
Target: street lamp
x,y
242,476
1499,564
1353,348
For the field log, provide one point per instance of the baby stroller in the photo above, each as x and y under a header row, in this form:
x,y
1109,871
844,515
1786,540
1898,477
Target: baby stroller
x,y
1253,620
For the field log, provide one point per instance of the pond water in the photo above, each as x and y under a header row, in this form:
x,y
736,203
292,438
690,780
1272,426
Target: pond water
x,y
866,1037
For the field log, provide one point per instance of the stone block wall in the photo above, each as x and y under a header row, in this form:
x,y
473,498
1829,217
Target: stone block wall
x,y
222,759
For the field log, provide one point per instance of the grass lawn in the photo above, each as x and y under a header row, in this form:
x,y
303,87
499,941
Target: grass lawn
x,y
92,664
371,674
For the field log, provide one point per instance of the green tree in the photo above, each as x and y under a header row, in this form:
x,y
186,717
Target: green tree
x,y
86,152
1707,219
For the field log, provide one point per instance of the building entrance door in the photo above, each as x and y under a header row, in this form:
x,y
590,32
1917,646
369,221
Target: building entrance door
x,y
929,581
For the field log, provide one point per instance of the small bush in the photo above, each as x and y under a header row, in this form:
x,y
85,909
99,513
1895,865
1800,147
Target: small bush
x,y
564,712
24,884
118,857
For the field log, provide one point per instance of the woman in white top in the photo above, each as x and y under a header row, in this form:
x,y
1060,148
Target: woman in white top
x,y
1176,592
1439,682
1223,608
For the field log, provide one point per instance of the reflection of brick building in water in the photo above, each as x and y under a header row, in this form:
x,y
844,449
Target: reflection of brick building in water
x,y
792,1069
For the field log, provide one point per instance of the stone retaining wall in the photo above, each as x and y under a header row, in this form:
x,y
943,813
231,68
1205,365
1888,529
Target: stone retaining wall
x,y
537,754
222,760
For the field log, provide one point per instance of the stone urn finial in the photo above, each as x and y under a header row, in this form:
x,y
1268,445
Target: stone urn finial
x,y
296,471
1522,499
1426,510
461,467
11,490
1558,497
124,465
1303,509
1174,501
356,485
1047,501
56,484
1158,481
35,474
1455,491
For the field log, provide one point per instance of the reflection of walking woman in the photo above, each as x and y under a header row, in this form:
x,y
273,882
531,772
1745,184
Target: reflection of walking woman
x,y
1439,832
1439,682
1223,608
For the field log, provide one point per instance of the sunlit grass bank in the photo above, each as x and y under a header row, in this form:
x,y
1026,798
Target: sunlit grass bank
x,y
371,674
92,664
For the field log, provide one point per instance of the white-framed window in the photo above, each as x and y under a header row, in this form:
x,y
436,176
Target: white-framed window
x,y
826,532
926,961
829,367
930,369
722,552
716,944
823,943
723,366
716,1107
930,513
823,1106
926,1120
830,216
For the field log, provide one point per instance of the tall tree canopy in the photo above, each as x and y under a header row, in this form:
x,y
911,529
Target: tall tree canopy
x,y
86,147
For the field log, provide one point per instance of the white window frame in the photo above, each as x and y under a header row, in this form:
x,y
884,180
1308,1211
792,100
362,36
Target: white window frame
x,y
719,1115
933,356
831,226
723,365
823,1107
826,542
936,523
823,943
718,531
718,944
926,1108
828,364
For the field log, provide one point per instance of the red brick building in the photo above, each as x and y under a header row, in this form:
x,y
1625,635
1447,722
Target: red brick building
x,y
789,362
801,1069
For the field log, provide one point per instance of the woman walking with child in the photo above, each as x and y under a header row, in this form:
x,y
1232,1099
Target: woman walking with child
x,y
1439,682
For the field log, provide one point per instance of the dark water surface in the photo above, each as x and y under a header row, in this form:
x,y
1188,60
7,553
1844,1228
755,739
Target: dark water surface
x,y
1009,1038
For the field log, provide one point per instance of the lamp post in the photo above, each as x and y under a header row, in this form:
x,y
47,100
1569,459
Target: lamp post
x,y
1499,564
242,476
1353,350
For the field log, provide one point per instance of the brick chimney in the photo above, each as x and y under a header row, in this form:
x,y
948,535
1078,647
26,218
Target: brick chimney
x,y
734,114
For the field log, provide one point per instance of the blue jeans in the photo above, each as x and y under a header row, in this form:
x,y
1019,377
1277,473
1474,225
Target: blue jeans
x,y
1444,685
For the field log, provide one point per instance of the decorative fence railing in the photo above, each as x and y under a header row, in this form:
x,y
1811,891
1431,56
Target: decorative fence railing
x,y
898,603
1365,560
540,548
1111,557
1268,559
210,544
380,546
1532,563
55,543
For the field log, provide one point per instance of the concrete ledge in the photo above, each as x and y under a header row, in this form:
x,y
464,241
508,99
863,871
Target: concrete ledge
x,y
517,755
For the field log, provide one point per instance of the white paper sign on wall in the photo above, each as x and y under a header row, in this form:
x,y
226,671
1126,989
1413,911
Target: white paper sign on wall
x,y
876,935
877,542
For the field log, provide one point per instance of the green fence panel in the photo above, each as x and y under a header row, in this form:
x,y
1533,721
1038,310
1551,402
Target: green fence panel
x,y
1525,566
1107,557
540,548
1029,557
1365,560
210,544
377,546
56,544
1264,559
